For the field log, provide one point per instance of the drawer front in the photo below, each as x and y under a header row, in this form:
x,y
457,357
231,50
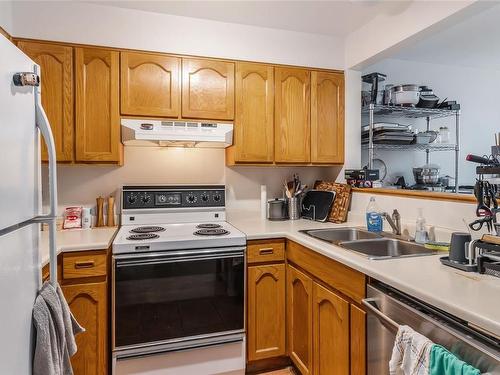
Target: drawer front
x,y
265,251
78,265
346,280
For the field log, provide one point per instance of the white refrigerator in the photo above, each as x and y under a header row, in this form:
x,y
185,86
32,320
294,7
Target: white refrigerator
x,y
22,123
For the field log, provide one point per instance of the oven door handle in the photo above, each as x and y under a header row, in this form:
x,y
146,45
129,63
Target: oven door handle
x,y
173,259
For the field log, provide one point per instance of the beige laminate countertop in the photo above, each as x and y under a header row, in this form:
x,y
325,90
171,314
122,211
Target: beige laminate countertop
x,y
469,296
77,240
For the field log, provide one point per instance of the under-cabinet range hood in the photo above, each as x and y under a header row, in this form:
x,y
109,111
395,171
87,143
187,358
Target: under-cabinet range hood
x,y
176,133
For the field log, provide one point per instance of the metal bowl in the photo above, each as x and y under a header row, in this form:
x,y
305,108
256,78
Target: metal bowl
x,y
427,174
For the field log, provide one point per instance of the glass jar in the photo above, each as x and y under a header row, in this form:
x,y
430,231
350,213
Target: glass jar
x,y
444,135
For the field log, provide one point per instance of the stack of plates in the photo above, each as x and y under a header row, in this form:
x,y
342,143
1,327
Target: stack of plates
x,y
388,133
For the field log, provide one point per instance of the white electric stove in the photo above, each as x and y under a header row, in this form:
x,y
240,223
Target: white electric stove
x,y
178,282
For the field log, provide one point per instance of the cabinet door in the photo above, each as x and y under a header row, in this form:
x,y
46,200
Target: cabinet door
x,y
266,311
292,116
254,125
150,85
299,329
88,303
358,341
56,63
97,110
327,117
331,332
207,89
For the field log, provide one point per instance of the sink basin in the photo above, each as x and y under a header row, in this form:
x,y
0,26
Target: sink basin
x,y
386,248
336,235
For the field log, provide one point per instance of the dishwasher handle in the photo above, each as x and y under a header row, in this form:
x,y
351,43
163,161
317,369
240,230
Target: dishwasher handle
x,y
371,305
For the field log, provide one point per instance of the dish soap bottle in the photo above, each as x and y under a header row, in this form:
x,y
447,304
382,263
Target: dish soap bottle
x,y
421,235
374,220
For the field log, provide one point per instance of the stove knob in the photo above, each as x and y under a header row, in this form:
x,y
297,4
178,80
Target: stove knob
x,y
131,199
217,197
204,198
146,199
191,198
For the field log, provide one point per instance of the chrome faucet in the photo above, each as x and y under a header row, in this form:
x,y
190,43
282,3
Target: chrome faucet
x,y
394,221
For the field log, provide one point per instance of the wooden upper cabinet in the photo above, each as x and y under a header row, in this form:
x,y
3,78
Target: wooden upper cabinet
x,y
292,116
299,328
150,85
327,117
97,108
254,120
56,63
331,332
207,89
266,311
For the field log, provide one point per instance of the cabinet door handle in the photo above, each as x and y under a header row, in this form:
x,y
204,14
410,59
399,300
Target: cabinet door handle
x,y
85,264
266,251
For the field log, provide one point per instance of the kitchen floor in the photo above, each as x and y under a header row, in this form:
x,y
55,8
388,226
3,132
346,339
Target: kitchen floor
x,y
285,371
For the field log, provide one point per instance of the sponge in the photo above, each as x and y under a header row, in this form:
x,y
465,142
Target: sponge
x,y
440,246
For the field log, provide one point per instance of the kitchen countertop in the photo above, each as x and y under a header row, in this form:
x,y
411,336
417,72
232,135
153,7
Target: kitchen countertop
x,y
469,296
77,240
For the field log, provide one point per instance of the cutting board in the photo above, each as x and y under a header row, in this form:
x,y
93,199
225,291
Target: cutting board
x,y
317,204
340,207
488,238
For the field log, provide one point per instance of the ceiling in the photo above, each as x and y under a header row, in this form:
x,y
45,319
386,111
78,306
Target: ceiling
x,y
473,42
334,17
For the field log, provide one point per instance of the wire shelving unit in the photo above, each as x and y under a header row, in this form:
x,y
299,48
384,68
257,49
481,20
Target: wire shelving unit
x,y
373,110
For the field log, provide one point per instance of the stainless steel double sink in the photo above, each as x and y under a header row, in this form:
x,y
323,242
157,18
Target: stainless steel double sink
x,y
369,244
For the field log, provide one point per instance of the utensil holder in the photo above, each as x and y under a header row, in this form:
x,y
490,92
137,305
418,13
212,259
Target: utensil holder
x,y
293,208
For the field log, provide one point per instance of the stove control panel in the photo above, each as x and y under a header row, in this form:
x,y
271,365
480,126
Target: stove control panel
x,y
141,197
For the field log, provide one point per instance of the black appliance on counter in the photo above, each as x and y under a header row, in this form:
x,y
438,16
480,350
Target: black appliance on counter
x,y
373,81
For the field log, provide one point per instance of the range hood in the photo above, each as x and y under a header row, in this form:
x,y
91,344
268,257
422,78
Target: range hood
x,y
176,133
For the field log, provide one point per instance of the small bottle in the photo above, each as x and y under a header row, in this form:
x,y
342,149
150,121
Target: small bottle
x,y
374,220
421,235
86,218
444,135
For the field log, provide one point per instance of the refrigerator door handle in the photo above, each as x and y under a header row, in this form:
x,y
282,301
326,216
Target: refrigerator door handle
x,y
43,124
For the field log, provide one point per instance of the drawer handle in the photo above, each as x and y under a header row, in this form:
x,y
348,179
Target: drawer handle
x,y
266,251
85,264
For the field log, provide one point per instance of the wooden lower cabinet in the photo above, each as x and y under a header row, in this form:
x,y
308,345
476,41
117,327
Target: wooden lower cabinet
x,y
358,341
299,321
326,327
330,332
266,311
88,303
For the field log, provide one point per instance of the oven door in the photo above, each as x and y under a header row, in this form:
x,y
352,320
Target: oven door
x,y
178,299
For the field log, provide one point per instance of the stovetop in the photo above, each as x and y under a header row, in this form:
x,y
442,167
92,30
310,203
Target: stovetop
x,y
162,218
176,236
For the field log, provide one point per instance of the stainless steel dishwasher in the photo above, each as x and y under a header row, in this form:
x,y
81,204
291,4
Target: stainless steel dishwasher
x,y
388,308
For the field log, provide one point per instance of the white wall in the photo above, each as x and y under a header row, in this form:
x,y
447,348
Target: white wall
x,y
81,184
448,215
117,27
412,20
352,120
6,16
477,92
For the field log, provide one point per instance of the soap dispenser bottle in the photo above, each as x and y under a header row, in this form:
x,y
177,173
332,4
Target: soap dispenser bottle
x,y
421,235
374,220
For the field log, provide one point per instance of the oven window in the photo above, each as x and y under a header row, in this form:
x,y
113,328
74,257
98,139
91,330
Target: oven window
x,y
161,301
